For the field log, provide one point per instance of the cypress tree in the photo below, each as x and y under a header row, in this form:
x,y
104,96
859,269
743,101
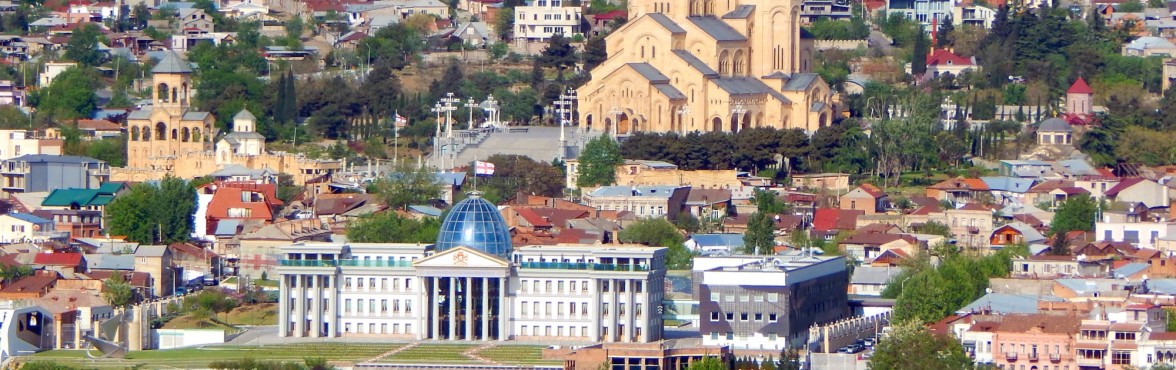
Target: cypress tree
x,y
291,95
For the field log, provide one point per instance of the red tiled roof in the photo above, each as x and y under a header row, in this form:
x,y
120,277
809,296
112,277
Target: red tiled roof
x,y
874,191
961,183
98,125
1122,185
58,259
1050,185
1073,190
226,198
973,207
611,15
945,57
559,217
826,219
877,238
34,283
533,218
1164,335
925,210
1080,87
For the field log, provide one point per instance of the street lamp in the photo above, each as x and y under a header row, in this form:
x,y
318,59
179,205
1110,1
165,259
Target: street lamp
x,y
437,138
471,104
491,107
447,106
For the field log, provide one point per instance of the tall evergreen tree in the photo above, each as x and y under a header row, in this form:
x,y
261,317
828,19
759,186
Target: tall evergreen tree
x,y
943,34
919,60
290,112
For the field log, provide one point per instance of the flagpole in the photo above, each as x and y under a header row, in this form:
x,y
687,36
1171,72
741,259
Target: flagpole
x,y
475,172
395,136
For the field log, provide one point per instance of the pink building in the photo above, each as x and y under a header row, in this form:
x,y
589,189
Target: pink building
x,y
1024,341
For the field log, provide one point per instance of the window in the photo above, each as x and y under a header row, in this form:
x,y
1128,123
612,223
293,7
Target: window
x,y
547,286
573,287
773,297
524,308
714,296
560,286
743,316
730,316
347,305
744,298
1121,358
407,309
772,317
360,281
383,328
383,306
759,297
583,308
759,316
714,315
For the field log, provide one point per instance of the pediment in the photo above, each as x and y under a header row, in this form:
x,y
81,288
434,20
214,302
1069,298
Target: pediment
x,y
462,257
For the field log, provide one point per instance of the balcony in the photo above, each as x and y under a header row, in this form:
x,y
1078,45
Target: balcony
x,y
1096,362
1033,356
1011,356
582,266
308,263
1055,357
376,263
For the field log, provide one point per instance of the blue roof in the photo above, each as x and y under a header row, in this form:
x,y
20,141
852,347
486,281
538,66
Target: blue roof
x,y
1161,286
641,191
731,241
451,178
1130,269
110,261
475,223
226,227
30,218
1006,183
426,210
698,64
108,113
1002,303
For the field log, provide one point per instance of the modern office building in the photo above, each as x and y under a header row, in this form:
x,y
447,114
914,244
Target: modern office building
x,y
768,302
472,285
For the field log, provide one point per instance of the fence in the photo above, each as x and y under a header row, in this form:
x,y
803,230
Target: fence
x,y
840,44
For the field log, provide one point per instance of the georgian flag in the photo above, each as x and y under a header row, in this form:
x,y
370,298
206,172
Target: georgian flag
x,y
483,168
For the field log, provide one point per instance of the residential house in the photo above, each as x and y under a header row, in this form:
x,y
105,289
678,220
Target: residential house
x,y
30,287
1008,190
871,280
194,20
350,40
1142,234
944,62
17,143
476,34
157,261
868,246
79,212
1169,73
708,203
9,93
1148,46
539,20
1054,131
812,10
1015,233
958,190
28,228
1096,185
1145,191
866,198
1035,338
969,13
242,201
258,251
1045,266
41,172
1062,194
603,22
1024,169
830,181
1040,194
827,222
971,224
924,12
1126,212
649,173
191,258
1103,250
64,263
644,201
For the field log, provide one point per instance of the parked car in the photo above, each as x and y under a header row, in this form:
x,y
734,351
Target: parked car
x,y
868,342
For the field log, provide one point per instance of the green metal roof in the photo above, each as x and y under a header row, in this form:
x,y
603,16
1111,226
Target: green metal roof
x,y
79,197
110,187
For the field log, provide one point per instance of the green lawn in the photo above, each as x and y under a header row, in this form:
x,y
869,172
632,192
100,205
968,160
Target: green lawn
x,y
433,354
517,355
200,357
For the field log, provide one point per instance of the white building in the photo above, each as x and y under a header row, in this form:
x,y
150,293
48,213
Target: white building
x,y
472,285
15,143
24,329
27,228
539,20
1142,234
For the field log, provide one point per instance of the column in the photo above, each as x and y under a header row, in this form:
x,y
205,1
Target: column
x,y
452,302
332,293
467,293
485,311
283,306
503,310
421,311
434,313
300,306
631,311
316,307
594,310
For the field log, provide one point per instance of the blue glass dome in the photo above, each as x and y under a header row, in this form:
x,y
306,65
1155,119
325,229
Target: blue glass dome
x,y
475,223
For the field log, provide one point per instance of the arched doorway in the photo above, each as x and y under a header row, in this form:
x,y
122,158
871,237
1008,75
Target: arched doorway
x,y
623,124
746,121
734,122
636,126
717,124
588,121
160,132
608,125
824,121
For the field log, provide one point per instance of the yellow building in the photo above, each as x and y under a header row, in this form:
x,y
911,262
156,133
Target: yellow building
x,y
171,138
705,65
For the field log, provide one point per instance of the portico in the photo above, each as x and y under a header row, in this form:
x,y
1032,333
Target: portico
x,y
467,289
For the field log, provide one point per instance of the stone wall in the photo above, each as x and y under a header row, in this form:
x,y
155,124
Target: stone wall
x,y
840,44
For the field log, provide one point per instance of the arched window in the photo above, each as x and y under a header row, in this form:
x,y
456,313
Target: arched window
x,y
184,97
135,133
146,133
185,135
175,134
161,92
174,93
160,132
196,135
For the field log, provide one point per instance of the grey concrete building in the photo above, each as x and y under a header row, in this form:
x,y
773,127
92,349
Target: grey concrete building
x,y
43,172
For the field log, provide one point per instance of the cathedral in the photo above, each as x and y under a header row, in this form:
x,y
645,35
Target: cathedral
x,y
706,65
170,138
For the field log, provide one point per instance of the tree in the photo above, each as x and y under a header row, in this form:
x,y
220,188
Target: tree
x,y
83,46
117,291
407,185
919,57
558,54
1131,6
911,346
789,359
595,52
936,228
708,363
72,94
659,232
1077,213
943,36
504,23
150,214
390,227
760,237
598,162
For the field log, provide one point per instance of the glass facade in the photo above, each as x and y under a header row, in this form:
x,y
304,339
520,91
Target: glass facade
x,y
475,223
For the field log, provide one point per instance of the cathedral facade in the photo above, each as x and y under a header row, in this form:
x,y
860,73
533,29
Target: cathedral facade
x,y
171,138
706,65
